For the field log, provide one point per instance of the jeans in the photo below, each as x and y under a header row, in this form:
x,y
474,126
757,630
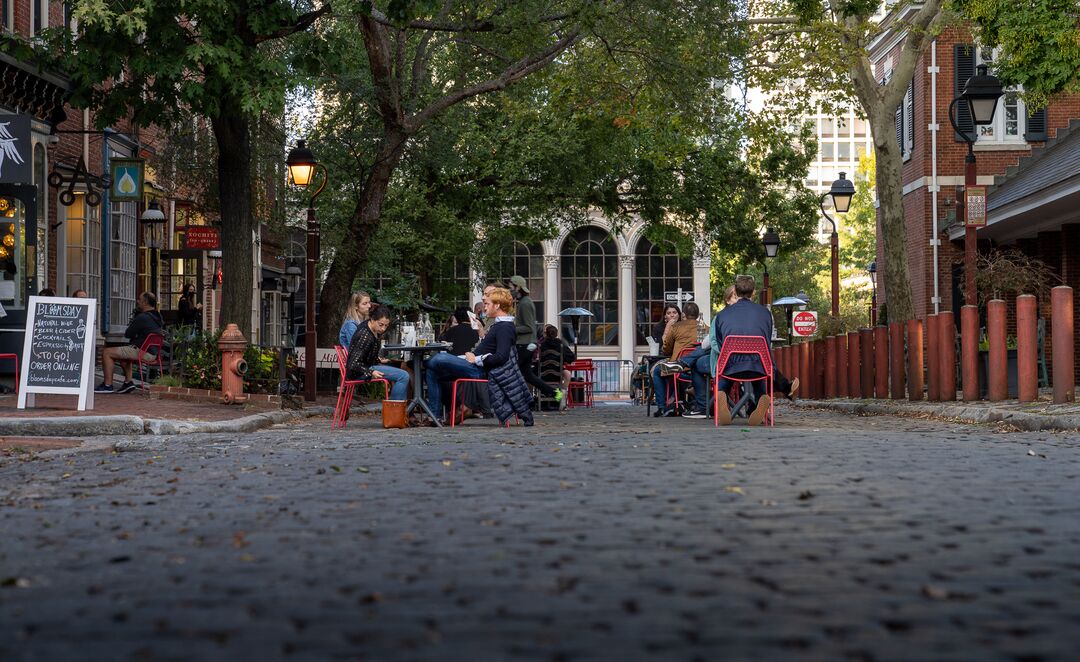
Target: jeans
x,y
398,378
525,364
659,386
447,367
700,371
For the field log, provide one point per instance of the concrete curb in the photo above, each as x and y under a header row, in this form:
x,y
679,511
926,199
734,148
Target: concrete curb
x,y
94,426
969,414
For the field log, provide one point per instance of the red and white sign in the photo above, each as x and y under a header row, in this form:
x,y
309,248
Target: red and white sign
x,y
201,237
804,323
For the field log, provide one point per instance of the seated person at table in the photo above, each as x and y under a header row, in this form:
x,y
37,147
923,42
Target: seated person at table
x,y
554,355
460,334
364,361
145,321
678,335
743,318
356,313
493,359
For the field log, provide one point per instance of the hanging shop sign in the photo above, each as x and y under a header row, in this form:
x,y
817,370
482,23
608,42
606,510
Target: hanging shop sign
x,y
81,177
126,176
15,147
202,238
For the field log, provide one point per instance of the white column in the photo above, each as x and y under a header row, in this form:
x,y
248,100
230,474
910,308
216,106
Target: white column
x,y
702,295
552,293
627,332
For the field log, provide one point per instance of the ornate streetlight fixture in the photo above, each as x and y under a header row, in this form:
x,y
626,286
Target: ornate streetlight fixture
x,y
302,168
152,221
841,191
872,270
771,242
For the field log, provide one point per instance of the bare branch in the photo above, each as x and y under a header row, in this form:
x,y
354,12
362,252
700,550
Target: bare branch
x,y
302,23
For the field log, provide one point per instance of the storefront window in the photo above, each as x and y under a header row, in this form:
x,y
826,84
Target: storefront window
x,y
12,254
590,280
81,254
122,269
659,270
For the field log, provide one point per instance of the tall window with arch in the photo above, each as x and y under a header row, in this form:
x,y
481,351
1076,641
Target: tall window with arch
x,y
527,261
590,273
659,270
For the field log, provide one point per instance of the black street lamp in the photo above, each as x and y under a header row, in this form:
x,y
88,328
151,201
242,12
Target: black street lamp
x,y
302,168
152,221
842,191
980,98
771,242
872,270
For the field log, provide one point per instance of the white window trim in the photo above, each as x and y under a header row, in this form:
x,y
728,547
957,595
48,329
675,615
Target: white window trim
x,y
998,126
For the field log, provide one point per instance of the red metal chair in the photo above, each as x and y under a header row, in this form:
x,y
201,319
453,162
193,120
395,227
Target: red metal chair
x,y
345,392
675,377
753,345
453,397
153,342
587,371
14,359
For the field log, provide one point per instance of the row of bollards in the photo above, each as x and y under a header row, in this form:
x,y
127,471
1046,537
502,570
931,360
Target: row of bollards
x,y
870,363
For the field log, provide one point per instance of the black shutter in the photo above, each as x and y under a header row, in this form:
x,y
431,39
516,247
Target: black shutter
x,y
900,127
963,69
910,120
1036,126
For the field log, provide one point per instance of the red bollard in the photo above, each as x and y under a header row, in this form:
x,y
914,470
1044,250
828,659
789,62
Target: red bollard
x,y
804,368
866,363
998,371
1027,357
933,358
947,356
881,362
969,352
854,358
915,360
896,359
1061,314
811,370
841,366
830,367
819,368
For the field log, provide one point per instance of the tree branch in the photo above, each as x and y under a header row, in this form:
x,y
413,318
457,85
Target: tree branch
x,y
509,76
379,55
302,23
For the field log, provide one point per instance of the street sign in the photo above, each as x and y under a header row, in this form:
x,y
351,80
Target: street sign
x,y
804,323
675,296
202,237
976,206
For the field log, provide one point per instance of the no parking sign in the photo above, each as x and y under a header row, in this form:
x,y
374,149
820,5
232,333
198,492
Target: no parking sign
x,y
804,323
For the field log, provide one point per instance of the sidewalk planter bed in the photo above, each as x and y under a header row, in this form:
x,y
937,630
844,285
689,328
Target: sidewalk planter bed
x,y
984,372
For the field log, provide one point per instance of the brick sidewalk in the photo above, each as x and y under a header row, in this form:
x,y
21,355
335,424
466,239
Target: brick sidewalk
x,y
137,404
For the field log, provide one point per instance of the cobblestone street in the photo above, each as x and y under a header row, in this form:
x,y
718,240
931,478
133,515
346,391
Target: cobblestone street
x,y
597,534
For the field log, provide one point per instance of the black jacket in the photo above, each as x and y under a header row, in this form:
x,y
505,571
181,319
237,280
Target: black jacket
x,y
363,353
463,338
142,325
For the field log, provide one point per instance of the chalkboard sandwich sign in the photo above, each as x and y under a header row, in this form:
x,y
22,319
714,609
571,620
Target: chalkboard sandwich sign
x,y
58,356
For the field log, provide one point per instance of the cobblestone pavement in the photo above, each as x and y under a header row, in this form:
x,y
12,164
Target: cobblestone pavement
x,y
596,535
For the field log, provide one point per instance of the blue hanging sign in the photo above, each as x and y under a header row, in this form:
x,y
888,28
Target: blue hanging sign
x,y
126,178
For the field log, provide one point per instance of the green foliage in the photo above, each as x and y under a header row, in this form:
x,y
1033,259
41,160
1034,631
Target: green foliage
x,y
168,380
1038,42
262,374
200,360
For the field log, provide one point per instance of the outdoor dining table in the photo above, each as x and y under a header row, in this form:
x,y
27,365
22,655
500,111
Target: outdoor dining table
x,y
418,354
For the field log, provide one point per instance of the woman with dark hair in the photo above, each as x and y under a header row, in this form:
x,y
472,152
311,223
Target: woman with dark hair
x,y
460,334
364,361
671,315
554,355
189,309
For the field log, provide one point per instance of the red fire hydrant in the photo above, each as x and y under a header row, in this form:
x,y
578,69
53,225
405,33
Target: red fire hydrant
x,y
233,366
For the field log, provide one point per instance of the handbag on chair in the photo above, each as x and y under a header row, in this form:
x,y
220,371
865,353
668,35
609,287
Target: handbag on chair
x,y
393,414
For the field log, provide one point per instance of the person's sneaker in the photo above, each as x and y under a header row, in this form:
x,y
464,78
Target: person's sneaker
x,y
560,395
723,411
695,413
670,413
758,415
104,388
671,368
790,395
126,387
658,413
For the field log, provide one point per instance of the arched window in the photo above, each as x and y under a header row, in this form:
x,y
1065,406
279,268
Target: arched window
x,y
590,280
659,270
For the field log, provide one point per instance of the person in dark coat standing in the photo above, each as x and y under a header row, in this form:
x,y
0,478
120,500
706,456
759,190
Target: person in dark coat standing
x,y
743,318
493,359
525,325
189,309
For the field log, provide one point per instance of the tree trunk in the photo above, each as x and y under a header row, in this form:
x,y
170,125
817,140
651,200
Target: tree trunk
x,y
352,253
231,129
891,217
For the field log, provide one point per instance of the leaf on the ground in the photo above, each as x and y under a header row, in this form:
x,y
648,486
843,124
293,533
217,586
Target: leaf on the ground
x,y
446,463
15,582
362,470
1030,452
336,468
729,465
68,475
734,489
935,592
805,494
239,540
247,558
768,502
